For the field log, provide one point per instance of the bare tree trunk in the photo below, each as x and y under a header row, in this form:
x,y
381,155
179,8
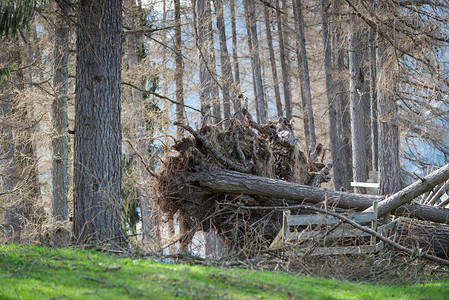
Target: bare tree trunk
x,y
302,41
226,71
235,58
201,25
333,131
59,172
388,121
179,69
251,51
274,72
251,11
284,66
357,80
97,152
214,90
305,117
373,100
342,99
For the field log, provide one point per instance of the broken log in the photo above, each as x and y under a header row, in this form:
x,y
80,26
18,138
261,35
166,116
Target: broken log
x,y
232,182
412,191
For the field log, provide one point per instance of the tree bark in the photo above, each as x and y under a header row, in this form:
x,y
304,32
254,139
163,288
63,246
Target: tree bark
x,y
97,151
373,100
388,121
302,41
277,93
59,171
342,99
305,117
235,59
200,19
333,131
214,89
260,99
232,182
358,97
284,66
179,70
226,70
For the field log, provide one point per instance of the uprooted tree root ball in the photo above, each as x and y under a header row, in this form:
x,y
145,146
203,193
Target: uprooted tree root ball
x,y
265,150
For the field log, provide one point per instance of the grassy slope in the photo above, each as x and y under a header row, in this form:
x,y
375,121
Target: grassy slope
x,y
39,273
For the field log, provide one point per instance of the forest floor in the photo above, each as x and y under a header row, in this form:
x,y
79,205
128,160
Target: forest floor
x,y
31,272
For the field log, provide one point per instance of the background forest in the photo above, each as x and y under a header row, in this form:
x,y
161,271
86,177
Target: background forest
x,y
363,83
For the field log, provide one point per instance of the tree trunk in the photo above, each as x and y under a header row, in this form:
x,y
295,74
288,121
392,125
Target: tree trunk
x,y
214,90
284,66
274,72
388,121
59,171
234,48
302,41
358,97
333,132
260,99
97,151
251,51
179,70
201,25
373,100
232,182
226,70
305,117
341,95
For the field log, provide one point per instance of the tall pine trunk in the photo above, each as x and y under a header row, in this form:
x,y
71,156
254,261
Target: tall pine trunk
x,y
59,170
97,151
333,131
388,121
305,65
200,16
235,58
226,70
358,80
214,89
260,99
179,71
274,72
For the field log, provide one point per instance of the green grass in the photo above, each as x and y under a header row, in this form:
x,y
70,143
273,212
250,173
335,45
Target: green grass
x,y
33,272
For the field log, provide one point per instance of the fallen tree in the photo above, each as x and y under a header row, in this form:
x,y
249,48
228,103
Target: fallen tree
x,y
217,170
232,182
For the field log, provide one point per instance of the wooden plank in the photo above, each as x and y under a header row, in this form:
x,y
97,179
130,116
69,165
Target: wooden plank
x,y
366,184
277,242
340,250
336,233
359,217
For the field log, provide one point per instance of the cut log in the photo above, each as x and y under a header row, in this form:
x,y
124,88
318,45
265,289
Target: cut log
x,y
414,190
232,182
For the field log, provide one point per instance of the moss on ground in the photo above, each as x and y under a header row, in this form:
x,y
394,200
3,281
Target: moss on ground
x,y
31,272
